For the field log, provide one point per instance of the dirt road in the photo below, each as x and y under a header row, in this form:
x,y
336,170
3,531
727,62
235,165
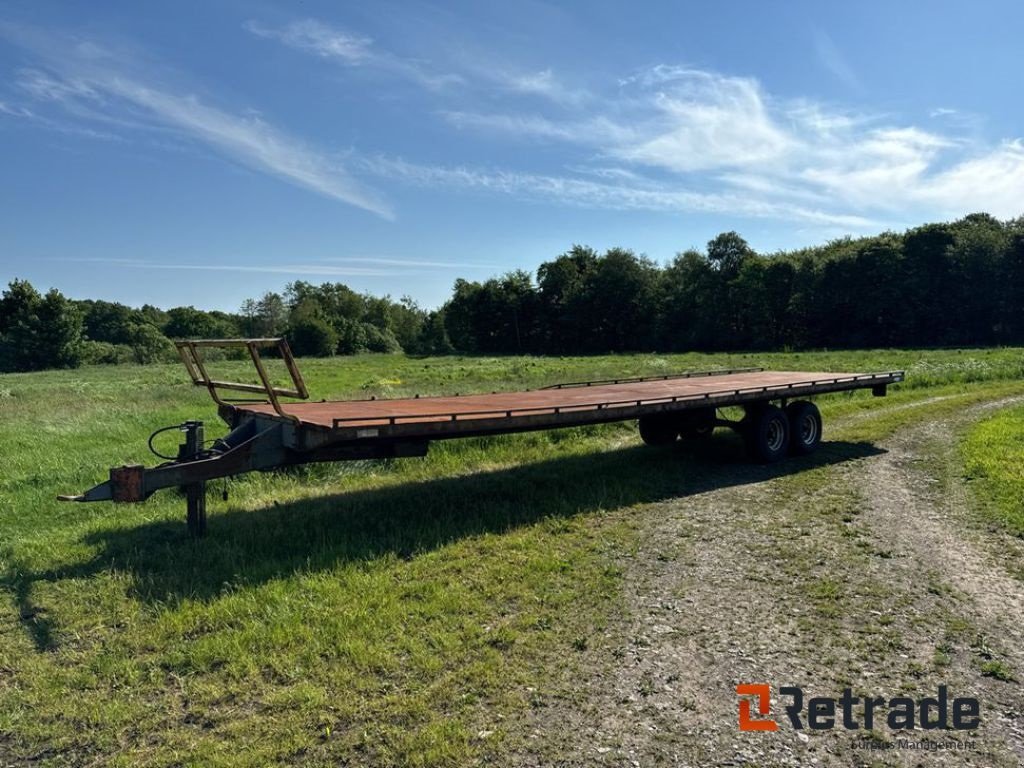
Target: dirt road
x,y
865,572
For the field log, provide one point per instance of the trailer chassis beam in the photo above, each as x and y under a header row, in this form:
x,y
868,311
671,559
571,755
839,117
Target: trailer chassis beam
x,y
256,445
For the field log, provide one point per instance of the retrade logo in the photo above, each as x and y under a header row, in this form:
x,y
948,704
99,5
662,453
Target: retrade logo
x,y
855,712
762,695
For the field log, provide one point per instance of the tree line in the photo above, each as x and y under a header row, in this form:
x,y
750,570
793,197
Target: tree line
x,y
948,284
40,331
957,283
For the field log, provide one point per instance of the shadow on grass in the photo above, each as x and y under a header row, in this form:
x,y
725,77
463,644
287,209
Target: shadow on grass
x,y
248,547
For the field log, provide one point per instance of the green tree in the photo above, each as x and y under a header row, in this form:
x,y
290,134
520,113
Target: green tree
x,y
192,323
980,244
433,338
461,318
927,281
312,336
1010,299
38,332
686,317
407,322
727,252
148,345
617,302
380,340
561,284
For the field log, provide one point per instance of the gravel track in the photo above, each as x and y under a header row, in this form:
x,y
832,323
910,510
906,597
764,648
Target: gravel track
x,y
866,571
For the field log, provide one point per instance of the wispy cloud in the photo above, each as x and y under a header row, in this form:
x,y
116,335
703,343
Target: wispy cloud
x,y
699,140
99,90
834,61
585,193
597,130
669,138
297,270
694,124
413,262
674,118
544,84
351,50
354,50
338,266
70,127
254,142
14,111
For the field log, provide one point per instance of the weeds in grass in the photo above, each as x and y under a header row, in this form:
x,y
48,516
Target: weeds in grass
x,y
997,670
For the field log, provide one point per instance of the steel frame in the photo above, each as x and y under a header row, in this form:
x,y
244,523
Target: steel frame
x,y
193,360
269,439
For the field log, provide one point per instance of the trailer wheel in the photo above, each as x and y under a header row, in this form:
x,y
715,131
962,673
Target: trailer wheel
x,y
658,430
697,423
804,427
767,434
698,432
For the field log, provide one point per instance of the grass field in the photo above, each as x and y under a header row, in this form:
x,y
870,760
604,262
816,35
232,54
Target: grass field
x,y
378,612
994,460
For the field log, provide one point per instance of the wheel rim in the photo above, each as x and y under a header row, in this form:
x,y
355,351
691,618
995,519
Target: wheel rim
x,y
808,429
776,435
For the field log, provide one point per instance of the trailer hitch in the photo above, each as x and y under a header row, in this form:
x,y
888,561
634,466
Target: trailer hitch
x,y
128,483
245,449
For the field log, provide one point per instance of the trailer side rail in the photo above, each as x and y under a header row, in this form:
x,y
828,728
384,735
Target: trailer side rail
x,y
778,390
663,377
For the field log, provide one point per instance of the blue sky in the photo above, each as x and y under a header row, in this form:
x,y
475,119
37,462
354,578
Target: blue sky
x,y
203,152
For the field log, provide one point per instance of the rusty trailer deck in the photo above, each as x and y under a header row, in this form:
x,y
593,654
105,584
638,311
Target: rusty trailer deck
x,y
444,417
280,432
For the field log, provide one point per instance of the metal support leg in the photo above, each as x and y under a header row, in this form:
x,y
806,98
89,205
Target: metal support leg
x,y
195,493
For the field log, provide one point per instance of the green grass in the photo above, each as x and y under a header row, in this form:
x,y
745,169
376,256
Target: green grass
x,y
993,453
998,670
377,612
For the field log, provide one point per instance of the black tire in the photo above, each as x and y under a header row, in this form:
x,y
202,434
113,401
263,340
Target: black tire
x,y
767,434
659,429
697,423
804,427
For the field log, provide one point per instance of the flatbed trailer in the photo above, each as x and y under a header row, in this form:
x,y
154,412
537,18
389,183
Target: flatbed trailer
x,y
269,433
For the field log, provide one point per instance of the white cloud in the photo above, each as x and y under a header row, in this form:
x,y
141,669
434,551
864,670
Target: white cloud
x,y
992,182
413,262
100,94
321,270
591,194
340,266
668,138
878,169
253,142
69,127
319,39
13,111
705,121
672,118
727,137
595,131
546,85
542,83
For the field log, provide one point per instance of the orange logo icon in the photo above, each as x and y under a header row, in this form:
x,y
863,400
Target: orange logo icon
x,y
762,691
